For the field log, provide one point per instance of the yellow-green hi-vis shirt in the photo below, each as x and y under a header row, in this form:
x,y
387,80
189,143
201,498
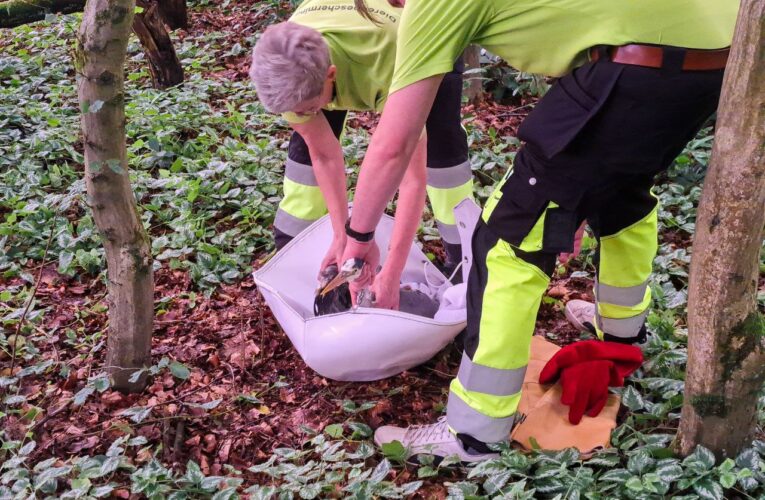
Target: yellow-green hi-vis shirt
x,y
550,37
363,52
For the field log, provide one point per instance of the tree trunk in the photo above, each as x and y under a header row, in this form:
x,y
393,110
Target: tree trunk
x,y
17,12
474,91
100,59
164,66
174,13
726,346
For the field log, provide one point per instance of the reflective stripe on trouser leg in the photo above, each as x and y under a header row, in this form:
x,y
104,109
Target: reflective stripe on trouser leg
x,y
621,291
303,202
485,395
447,187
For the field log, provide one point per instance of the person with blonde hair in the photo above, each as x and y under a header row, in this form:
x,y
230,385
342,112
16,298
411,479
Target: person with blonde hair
x,y
328,60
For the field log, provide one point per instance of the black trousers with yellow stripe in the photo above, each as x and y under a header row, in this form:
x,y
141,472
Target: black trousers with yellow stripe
x,y
593,146
449,176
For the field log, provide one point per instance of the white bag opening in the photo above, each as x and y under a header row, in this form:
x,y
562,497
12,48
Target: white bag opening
x,y
365,343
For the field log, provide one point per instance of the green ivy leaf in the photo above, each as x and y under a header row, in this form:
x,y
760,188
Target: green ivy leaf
x,y
310,491
728,480
639,462
495,482
110,465
748,459
380,472
102,491
138,413
426,471
670,471
394,451
28,448
102,382
179,370
82,395
702,456
616,476
634,483
409,489
360,430
194,474
261,492
227,494
605,460
632,399
708,489
334,430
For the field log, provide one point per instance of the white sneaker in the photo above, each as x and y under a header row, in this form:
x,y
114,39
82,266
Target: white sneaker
x,y
434,439
581,314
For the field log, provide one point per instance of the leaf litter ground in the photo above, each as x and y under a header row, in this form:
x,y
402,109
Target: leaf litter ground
x,y
235,389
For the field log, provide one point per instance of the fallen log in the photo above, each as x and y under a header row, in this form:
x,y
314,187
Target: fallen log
x,y
17,12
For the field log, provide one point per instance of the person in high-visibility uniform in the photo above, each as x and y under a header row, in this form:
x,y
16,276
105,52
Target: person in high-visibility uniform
x,y
355,56
636,81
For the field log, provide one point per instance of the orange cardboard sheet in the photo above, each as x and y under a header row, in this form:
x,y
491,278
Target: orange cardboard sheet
x,y
545,422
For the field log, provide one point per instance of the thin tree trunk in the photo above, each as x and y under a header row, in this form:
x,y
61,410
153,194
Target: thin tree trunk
x,y
164,66
175,13
474,91
726,343
17,12
100,59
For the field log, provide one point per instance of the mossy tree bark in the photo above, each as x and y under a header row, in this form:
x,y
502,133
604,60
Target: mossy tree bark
x,y
164,66
726,333
101,49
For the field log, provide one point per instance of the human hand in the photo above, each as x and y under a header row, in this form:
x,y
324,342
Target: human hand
x,y
370,254
386,290
334,254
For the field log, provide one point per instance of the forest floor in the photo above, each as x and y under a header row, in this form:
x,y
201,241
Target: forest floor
x,y
229,389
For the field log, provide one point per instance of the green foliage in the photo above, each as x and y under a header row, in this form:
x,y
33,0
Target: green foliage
x,y
639,474
507,84
325,467
206,162
206,165
94,477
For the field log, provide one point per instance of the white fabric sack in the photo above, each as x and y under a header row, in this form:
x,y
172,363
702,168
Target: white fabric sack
x,y
365,343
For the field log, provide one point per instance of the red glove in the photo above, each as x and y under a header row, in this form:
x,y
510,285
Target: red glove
x,y
586,370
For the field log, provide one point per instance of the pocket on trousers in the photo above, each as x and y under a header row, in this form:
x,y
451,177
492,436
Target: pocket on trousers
x,y
564,111
559,231
518,210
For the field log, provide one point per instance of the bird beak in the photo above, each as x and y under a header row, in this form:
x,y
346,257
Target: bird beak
x,y
350,271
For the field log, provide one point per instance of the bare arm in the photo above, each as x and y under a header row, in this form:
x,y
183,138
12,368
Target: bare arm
x,y
391,149
329,168
411,201
386,161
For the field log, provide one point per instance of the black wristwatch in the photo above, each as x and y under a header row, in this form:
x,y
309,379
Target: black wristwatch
x,y
362,237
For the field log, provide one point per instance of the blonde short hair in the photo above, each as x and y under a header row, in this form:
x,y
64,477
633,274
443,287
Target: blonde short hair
x,y
289,66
